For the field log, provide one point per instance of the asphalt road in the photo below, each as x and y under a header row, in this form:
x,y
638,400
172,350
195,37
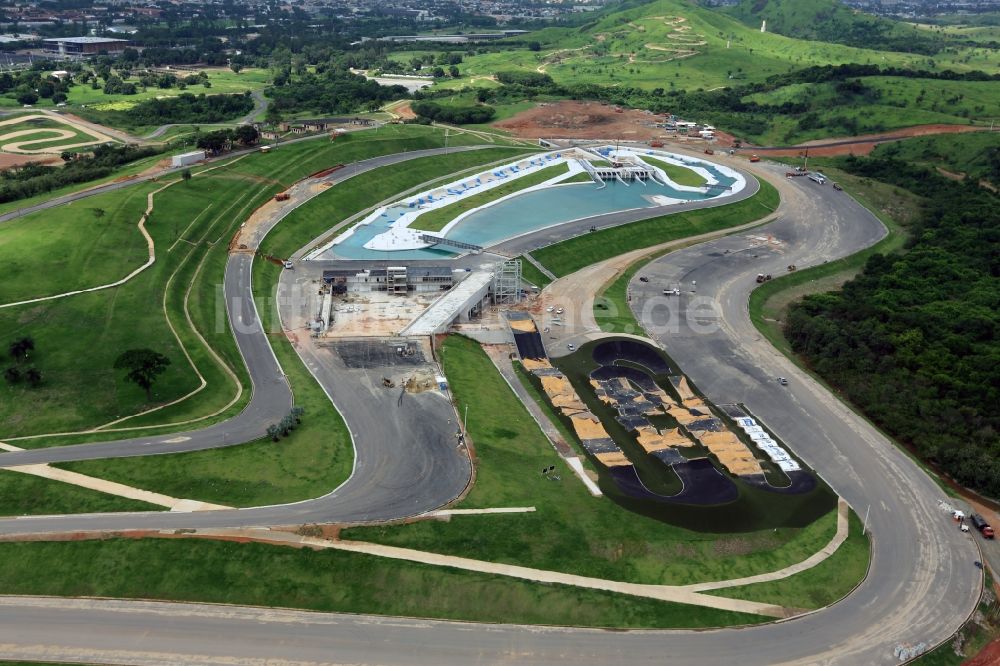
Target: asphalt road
x,y
922,583
921,586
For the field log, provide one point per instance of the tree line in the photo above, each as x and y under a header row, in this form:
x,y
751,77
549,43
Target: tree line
x,y
32,179
914,340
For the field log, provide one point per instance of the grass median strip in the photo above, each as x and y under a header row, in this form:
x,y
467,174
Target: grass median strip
x,y
23,495
583,535
678,174
331,581
438,219
820,586
571,255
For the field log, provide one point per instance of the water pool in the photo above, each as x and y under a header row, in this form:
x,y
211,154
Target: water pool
x,y
526,213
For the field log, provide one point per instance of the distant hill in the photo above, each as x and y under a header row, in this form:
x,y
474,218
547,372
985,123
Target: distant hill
x,y
832,21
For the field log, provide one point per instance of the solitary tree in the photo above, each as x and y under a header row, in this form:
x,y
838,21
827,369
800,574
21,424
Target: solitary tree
x,y
12,374
186,174
98,212
144,366
21,348
33,376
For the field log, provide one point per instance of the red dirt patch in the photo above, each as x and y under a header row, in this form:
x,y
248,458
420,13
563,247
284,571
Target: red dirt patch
x,y
864,144
990,656
582,120
10,160
404,111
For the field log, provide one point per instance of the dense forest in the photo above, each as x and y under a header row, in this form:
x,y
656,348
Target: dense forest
x,y
914,340
332,90
457,115
188,108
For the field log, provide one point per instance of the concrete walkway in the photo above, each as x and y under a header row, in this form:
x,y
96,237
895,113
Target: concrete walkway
x,y
110,487
660,592
684,594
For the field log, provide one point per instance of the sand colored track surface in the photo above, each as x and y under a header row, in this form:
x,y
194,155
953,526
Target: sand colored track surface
x,y
651,440
70,135
526,325
536,364
730,451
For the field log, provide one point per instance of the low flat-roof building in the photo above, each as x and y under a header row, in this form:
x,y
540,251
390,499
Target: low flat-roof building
x,y
78,47
393,279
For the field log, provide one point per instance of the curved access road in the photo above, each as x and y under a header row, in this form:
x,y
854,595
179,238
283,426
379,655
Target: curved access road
x,y
386,483
922,583
921,587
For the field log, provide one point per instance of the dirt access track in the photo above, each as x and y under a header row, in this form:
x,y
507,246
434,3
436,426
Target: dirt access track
x,y
864,144
581,120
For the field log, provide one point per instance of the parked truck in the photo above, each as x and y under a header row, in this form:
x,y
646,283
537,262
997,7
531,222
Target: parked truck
x,y
980,524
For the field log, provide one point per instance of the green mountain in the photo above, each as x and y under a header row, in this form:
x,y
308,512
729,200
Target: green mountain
x,y
831,21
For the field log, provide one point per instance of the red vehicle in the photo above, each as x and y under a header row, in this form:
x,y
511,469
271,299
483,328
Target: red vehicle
x,y
283,196
754,158
980,524
656,144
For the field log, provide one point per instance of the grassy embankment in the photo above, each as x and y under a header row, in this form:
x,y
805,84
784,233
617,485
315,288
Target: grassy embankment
x,y
189,222
640,47
264,472
217,572
438,219
955,155
583,535
571,255
678,174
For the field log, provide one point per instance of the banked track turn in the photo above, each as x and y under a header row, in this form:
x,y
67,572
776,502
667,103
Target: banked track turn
x,y
921,585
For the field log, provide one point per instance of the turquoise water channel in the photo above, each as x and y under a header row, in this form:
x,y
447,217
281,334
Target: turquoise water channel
x,y
523,214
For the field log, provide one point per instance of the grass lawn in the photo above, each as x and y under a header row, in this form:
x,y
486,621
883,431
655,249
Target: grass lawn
x,y
190,220
223,81
571,255
827,582
530,273
264,575
23,494
582,534
312,461
611,308
678,174
345,199
437,219
89,248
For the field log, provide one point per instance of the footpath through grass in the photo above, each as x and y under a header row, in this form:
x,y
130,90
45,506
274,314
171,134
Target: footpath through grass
x,y
23,495
571,255
825,583
438,219
78,338
678,174
312,461
571,531
275,576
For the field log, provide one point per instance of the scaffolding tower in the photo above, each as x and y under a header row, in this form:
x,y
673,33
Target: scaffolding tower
x,y
507,282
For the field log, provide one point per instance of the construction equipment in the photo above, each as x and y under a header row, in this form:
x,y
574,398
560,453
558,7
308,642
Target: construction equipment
x,y
791,267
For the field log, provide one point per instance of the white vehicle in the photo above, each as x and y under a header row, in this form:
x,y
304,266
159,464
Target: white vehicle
x,y
782,381
559,311
549,309
288,264
817,177
571,347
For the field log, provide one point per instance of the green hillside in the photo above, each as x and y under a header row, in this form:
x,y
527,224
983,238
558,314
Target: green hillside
x,y
831,21
673,44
